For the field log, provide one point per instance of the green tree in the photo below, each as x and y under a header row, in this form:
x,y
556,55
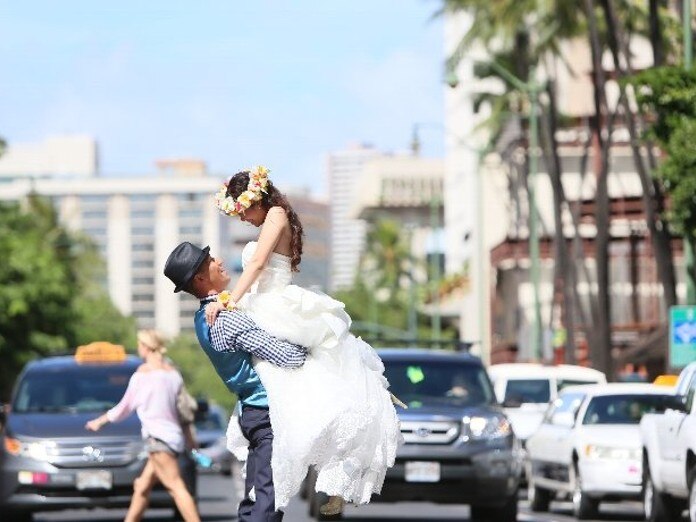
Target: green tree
x,y
669,95
36,287
49,300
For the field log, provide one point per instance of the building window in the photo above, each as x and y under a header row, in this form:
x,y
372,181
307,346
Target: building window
x,y
143,247
143,231
143,280
193,231
142,214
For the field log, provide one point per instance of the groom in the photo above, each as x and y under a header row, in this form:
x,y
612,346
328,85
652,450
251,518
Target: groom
x,y
229,344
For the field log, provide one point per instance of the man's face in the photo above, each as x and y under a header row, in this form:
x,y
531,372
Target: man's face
x,y
214,272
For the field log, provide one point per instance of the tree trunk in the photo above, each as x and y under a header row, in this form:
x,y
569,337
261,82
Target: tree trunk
x,y
653,197
564,270
601,352
655,28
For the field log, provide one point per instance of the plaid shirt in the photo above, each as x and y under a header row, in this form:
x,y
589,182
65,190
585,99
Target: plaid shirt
x,y
235,331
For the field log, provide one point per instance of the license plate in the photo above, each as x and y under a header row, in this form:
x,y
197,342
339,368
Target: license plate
x,y
98,479
418,471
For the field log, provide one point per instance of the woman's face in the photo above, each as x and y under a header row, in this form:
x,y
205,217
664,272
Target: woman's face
x,y
255,215
142,350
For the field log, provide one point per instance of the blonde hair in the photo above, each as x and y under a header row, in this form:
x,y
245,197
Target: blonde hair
x,y
152,340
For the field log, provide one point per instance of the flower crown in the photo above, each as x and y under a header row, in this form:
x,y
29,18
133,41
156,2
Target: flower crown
x,y
258,181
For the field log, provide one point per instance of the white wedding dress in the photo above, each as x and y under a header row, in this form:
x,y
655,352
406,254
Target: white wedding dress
x,y
335,411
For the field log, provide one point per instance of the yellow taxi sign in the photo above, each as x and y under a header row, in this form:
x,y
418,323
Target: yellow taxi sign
x,y
666,380
100,352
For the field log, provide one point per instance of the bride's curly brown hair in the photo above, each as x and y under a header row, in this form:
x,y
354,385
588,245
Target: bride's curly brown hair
x,y
273,198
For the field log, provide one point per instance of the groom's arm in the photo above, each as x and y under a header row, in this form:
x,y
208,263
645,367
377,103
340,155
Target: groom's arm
x,y
235,331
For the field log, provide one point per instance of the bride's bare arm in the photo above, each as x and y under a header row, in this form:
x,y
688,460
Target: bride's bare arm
x,y
271,232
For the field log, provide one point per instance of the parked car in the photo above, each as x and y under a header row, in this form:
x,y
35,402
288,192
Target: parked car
x,y
459,446
49,461
211,428
588,446
525,390
669,454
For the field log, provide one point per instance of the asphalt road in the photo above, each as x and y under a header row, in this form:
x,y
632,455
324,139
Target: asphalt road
x,y
218,501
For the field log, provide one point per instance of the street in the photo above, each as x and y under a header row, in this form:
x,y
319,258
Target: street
x,y
217,503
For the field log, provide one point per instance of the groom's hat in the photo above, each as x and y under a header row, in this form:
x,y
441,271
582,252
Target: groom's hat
x,y
183,263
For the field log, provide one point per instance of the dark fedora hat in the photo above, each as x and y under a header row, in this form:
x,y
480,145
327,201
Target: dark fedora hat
x,y
183,263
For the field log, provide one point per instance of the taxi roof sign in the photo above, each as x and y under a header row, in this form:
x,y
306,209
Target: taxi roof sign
x,y
100,352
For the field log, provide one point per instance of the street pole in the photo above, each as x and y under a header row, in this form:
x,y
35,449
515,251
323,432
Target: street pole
x,y
436,322
412,313
533,216
532,89
689,254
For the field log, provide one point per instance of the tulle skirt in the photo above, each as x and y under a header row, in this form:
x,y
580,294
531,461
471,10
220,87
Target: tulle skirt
x,y
334,412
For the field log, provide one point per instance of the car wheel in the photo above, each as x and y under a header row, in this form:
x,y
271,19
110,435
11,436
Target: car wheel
x,y
692,496
505,513
539,498
584,507
657,506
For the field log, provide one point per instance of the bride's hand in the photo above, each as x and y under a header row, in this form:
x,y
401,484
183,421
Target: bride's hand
x,y
211,312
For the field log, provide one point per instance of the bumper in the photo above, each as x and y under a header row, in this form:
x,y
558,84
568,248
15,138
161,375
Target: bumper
x,y
611,478
489,477
57,487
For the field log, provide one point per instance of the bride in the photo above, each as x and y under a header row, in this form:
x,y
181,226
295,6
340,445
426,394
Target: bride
x,y
335,412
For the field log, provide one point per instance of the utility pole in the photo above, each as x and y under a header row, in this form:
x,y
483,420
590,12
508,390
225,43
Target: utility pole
x,y
689,254
436,322
531,88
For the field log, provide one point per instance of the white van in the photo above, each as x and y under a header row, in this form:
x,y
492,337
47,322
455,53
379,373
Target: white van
x,y
525,390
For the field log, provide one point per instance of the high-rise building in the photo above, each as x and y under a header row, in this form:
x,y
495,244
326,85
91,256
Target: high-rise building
x,y
347,232
56,156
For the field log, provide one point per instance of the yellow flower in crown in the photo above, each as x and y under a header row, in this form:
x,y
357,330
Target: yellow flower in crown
x,y
256,188
246,199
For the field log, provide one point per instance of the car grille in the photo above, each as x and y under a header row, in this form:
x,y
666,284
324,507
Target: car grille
x,y
96,453
429,432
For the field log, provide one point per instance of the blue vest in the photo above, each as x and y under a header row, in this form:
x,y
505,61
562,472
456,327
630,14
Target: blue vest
x,y
234,368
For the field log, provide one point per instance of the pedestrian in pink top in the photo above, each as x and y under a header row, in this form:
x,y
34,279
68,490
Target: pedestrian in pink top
x,y
152,393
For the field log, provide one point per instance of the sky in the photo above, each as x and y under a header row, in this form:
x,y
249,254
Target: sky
x,y
280,83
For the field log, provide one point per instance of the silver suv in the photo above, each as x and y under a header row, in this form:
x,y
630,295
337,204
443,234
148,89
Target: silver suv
x,y
49,460
459,445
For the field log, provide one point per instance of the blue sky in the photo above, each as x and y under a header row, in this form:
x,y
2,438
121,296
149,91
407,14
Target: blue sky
x,y
234,83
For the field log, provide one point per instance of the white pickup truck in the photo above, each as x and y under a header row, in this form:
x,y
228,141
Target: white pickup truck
x,y
669,454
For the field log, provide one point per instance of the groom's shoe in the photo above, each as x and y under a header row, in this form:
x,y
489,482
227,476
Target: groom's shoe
x,y
333,507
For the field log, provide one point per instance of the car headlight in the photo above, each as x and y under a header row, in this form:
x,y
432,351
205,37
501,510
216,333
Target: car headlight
x,y
595,451
40,450
493,427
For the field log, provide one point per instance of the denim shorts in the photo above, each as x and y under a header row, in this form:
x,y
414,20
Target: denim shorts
x,y
153,445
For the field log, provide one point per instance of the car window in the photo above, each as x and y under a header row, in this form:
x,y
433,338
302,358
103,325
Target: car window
x,y
210,421
81,389
421,383
690,394
623,409
564,383
519,391
566,403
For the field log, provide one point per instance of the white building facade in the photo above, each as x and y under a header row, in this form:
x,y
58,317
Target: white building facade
x,y
136,222
347,236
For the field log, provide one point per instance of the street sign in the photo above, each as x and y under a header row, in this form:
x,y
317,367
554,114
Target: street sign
x,y
682,335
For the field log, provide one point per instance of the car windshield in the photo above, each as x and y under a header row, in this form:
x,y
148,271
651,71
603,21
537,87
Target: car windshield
x,y
519,391
445,383
209,421
623,409
80,389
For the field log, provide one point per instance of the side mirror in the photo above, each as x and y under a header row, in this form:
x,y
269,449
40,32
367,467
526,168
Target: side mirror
x,y
564,419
